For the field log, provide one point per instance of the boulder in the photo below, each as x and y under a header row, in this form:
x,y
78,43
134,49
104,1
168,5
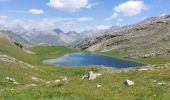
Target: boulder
x,y
129,82
91,75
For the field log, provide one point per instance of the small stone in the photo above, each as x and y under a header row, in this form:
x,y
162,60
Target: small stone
x,y
48,82
33,84
7,78
30,85
10,79
129,82
143,69
154,81
35,78
56,81
98,85
64,78
15,82
161,83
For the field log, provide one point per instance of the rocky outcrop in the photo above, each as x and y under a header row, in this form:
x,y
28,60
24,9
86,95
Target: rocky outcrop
x,y
148,38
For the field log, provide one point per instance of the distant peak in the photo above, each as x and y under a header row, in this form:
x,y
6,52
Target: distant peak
x,y
58,31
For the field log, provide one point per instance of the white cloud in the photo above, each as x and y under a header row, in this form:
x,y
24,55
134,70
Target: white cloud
x,y
84,19
3,16
143,18
36,11
68,5
163,14
114,16
129,8
91,5
102,27
45,23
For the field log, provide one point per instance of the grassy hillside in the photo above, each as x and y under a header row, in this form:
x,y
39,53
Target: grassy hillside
x,y
161,59
37,82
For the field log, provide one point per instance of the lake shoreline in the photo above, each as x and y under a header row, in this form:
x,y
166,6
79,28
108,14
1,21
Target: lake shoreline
x,y
91,59
138,69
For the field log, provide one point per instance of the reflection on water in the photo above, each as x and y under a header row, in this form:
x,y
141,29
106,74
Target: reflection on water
x,y
86,59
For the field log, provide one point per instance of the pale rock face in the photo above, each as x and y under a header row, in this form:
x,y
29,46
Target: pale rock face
x,y
129,82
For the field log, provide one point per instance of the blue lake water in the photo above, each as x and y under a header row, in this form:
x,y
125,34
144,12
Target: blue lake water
x,y
86,59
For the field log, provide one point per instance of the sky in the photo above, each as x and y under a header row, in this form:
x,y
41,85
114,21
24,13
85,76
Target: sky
x,y
79,15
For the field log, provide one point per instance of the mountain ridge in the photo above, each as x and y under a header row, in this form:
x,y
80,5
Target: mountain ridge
x,y
134,38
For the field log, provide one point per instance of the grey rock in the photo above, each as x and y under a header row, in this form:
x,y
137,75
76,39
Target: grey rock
x,y
129,82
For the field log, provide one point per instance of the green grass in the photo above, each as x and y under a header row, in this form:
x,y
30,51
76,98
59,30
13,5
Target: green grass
x,y
75,88
163,59
48,52
78,89
154,60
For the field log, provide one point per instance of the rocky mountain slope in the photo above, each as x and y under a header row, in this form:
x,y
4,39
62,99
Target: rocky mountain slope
x,y
14,37
148,38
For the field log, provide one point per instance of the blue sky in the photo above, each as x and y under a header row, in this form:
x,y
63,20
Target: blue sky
x,y
79,14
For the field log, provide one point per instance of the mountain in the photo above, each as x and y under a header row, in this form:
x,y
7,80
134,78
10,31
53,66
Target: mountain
x,y
47,37
58,31
14,37
148,38
52,36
